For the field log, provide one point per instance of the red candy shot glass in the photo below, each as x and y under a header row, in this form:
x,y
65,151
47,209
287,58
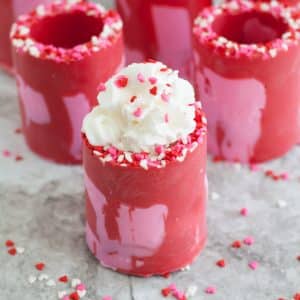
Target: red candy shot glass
x,y
247,58
145,210
9,11
61,53
160,29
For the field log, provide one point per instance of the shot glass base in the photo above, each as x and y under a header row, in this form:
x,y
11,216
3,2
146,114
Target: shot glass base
x,y
140,270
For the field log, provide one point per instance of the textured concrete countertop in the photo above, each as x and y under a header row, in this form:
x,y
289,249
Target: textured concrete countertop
x,y
42,210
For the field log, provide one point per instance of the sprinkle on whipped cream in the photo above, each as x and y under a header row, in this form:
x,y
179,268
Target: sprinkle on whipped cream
x,y
147,116
23,41
205,34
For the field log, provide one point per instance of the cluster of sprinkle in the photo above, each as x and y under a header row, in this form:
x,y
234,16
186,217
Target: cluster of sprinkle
x,y
73,289
8,154
164,153
203,30
172,290
22,40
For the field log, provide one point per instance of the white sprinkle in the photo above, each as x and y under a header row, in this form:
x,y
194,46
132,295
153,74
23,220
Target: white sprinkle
x,y
43,277
81,293
194,146
144,164
128,157
50,283
107,158
23,30
20,250
34,51
40,10
117,25
32,279
61,294
215,196
120,158
95,152
273,52
186,268
18,43
95,40
237,166
191,291
75,282
281,204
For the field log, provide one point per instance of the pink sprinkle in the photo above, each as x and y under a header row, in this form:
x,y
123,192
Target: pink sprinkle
x,y
138,112
166,118
210,290
249,240
158,149
66,298
178,295
253,265
244,211
101,87
107,298
284,176
112,151
165,97
152,80
81,287
172,287
254,167
6,153
140,77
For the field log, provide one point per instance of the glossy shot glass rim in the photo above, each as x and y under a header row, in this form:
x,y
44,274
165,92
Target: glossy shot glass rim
x,y
165,155
205,35
22,40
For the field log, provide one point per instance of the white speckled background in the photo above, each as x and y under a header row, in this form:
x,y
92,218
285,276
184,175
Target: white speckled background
x,y
42,209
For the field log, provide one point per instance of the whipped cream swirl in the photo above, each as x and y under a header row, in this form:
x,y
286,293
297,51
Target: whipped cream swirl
x,y
143,106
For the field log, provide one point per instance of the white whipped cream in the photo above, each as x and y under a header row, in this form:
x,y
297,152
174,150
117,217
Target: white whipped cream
x,y
132,118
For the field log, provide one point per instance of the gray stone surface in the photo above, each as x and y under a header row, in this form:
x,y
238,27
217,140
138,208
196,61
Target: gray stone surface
x,y
42,209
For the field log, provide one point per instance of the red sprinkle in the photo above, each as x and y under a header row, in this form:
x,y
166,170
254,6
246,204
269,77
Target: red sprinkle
x,y
40,266
217,159
151,60
19,157
298,257
12,251
166,291
74,296
64,279
121,81
221,263
297,296
166,275
133,98
9,243
18,130
164,69
153,91
236,244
